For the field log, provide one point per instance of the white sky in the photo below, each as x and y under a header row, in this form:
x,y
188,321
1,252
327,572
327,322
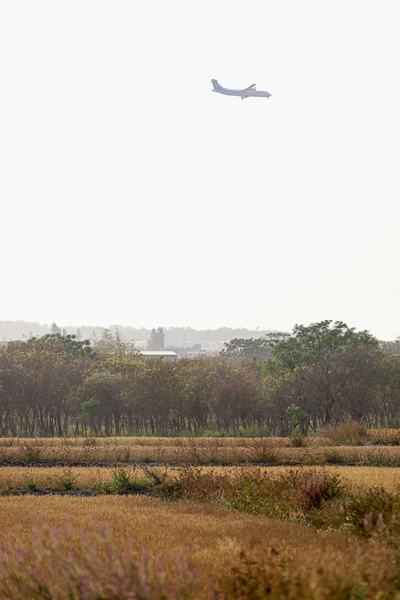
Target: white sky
x,y
131,194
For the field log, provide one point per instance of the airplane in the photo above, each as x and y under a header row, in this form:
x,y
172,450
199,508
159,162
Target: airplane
x,y
250,91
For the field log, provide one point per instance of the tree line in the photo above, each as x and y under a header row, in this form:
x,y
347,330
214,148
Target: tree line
x,y
313,377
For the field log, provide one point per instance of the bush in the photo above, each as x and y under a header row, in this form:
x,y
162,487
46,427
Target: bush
x,y
256,491
265,450
30,483
312,488
122,482
349,513
350,433
297,440
335,457
31,452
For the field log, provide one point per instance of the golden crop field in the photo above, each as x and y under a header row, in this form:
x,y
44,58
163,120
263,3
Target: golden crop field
x,y
390,436
226,451
356,477
217,536
151,441
220,512
51,477
346,430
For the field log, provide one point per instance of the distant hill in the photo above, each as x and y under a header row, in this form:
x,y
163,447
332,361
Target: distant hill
x,y
18,330
174,336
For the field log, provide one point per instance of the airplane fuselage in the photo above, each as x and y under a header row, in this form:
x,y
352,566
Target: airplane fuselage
x,y
247,93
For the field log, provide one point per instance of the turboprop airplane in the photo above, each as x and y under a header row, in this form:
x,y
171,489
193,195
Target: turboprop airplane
x,y
250,91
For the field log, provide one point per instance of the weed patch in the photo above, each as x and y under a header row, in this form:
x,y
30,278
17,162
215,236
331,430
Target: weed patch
x,y
255,491
67,480
350,512
122,482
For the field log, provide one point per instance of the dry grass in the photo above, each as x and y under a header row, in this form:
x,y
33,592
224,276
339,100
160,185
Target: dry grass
x,y
250,558
218,535
283,559
340,435
358,478
146,442
49,477
223,451
361,478
52,477
141,450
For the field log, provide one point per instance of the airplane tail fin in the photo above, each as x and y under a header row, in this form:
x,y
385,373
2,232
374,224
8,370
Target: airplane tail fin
x,y
215,84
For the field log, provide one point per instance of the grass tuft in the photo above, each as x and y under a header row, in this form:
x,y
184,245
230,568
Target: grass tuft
x,y
67,480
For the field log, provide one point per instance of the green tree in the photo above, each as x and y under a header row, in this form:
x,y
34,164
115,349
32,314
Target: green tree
x,y
63,344
36,379
91,406
248,349
316,344
313,367
99,398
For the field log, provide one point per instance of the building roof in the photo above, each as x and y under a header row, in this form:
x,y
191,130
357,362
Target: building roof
x,y
158,353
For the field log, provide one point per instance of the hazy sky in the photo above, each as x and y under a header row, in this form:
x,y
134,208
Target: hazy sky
x,y
131,194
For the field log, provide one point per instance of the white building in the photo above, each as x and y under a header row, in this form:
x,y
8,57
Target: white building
x,y
164,354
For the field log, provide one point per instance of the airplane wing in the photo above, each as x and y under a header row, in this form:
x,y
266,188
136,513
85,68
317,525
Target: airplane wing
x,y
251,87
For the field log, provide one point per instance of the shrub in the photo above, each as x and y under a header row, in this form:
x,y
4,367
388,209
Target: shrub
x,y
334,457
255,491
122,482
30,483
312,488
349,514
297,440
350,433
31,452
264,450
